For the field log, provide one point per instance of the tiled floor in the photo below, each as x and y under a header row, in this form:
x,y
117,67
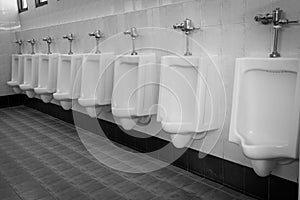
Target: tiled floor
x,y
43,158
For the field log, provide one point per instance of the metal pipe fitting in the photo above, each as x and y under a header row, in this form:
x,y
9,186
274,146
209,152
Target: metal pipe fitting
x,y
49,41
32,42
187,27
70,37
134,34
98,35
278,21
20,43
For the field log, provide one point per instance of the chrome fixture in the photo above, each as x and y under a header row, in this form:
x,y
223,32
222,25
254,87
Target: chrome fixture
x,y
49,40
98,35
278,21
133,33
32,42
187,27
20,43
69,37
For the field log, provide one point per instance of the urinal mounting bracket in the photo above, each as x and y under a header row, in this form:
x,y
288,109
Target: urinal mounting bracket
x,y
32,42
278,21
20,43
98,35
69,37
49,40
133,33
188,28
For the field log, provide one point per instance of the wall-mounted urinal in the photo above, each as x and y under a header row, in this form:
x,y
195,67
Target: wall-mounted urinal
x,y
17,69
135,92
187,109
17,73
31,63
47,77
96,82
68,88
265,111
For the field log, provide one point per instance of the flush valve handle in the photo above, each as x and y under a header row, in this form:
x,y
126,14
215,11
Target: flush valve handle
x,y
264,18
32,42
278,21
187,27
49,41
98,35
20,43
133,33
70,37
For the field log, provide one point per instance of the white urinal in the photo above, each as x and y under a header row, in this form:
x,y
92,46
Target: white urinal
x,y
17,73
265,111
47,77
68,86
135,92
96,82
186,108
31,63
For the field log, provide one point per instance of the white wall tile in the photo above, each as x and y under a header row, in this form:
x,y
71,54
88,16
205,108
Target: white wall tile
x,y
258,40
254,7
211,12
233,12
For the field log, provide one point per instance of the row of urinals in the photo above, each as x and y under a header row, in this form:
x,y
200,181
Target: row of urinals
x,y
131,84
266,99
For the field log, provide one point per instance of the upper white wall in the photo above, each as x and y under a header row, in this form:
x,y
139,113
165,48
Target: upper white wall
x,y
63,11
227,30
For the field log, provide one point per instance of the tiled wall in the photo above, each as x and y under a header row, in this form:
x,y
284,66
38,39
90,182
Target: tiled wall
x,y
6,49
227,30
9,21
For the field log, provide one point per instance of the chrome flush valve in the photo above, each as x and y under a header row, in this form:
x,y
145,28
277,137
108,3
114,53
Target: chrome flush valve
x,y
20,43
278,21
98,35
49,41
133,33
187,27
32,42
69,37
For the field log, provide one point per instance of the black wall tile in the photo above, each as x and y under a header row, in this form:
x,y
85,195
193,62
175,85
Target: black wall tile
x,y
213,168
51,109
15,100
166,153
153,145
256,186
282,189
196,165
11,100
4,102
183,158
233,175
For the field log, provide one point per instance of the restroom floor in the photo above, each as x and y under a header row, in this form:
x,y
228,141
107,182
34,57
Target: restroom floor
x,y
42,157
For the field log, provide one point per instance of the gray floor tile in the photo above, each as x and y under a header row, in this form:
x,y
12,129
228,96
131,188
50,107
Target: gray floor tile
x,y
43,158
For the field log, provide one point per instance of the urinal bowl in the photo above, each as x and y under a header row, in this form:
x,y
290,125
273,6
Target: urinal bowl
x,y
30,75
96,82
135,89
17,73
184,107
47,77
265,111
67,88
